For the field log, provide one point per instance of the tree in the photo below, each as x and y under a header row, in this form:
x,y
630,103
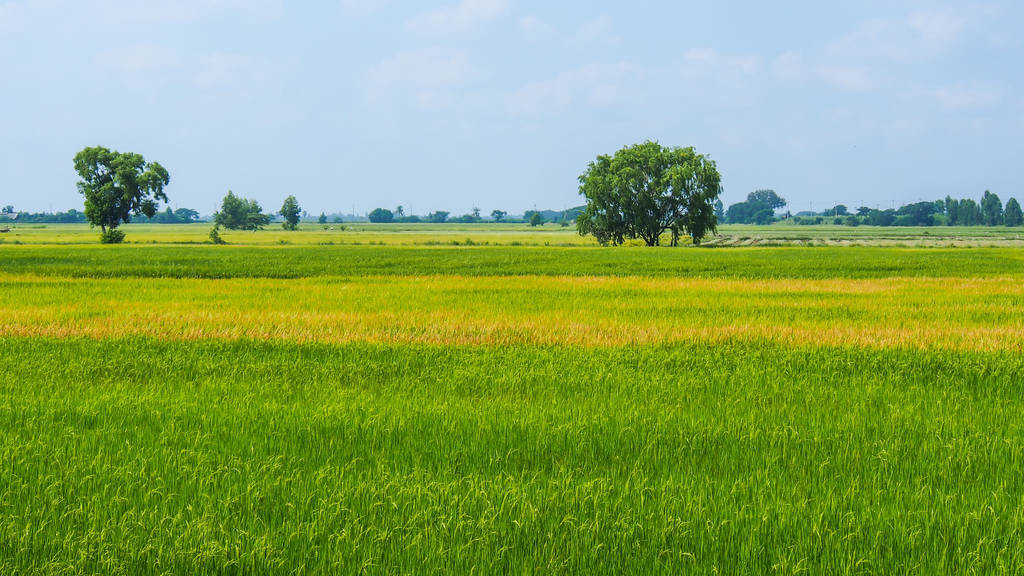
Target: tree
x,y
8,209
759,208
381,215
476,214
1013,216
238,213
498,215
645,190
719,210
186,215
882,217
950,207
536,219
969,213
438,217
322,219
290,212
991,209
118,186
399,212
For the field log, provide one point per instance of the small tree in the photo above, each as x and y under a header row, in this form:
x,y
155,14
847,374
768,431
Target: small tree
x,y
238,213
438,217
118,186
498,215
322,219
1013,216
536,219
399,212
381,215
290,212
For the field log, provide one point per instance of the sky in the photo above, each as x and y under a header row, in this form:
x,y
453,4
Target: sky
x,y
500,104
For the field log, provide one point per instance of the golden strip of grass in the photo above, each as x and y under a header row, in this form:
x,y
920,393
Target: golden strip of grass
x,y
968,314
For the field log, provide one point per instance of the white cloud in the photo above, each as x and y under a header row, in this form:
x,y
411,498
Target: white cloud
x,y
460,18
362,7
937,29
848,78
789,66
215,76
230,75
960,98
141,61
705,60
11,14
534,28
186,10
426,76
595,32
919,36
595,85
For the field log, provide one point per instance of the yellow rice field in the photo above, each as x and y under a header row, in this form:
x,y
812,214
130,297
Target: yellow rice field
x,y
947,313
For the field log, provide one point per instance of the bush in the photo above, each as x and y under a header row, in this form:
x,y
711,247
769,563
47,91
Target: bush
x,y
215,235
112,236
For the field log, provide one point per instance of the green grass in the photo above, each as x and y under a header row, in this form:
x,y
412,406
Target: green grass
x,y
420,409
256,457
305,261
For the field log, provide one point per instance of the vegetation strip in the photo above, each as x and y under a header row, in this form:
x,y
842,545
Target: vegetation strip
x,y
980,314
305,261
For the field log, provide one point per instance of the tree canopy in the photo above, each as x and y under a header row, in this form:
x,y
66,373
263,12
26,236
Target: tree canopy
x,y
381,215
991,209
117,186
1013,216
237,213
290,211
759,208
645,190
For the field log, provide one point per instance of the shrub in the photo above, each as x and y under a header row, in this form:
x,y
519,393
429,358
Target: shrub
x,y
112,236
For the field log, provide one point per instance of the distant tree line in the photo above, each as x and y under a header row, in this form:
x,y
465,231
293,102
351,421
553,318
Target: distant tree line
x,y
532,217
168,216
762,207
70,217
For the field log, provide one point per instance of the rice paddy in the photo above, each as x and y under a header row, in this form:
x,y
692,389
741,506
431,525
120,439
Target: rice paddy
x,y
411,408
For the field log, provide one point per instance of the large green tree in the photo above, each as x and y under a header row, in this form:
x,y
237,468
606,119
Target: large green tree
x,y
646,190
237,213
290,211
1013,215
117,186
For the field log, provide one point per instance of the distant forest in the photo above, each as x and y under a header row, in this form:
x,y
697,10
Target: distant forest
x,y
764,207
761,207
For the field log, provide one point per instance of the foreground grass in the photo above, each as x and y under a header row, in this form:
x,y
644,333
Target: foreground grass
x,y
267,457
411,409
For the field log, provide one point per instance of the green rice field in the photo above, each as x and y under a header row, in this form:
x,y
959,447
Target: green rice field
x,y
481,400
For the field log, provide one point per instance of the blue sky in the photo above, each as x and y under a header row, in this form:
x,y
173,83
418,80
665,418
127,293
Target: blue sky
x,y
354,104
